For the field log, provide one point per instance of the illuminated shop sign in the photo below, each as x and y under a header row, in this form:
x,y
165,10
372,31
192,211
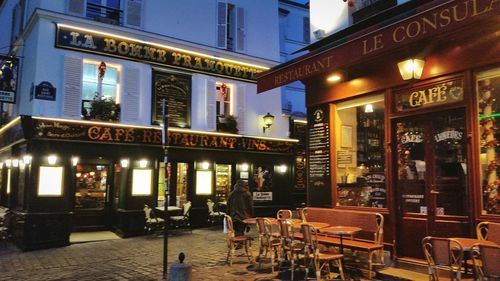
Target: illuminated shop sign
x,y
432,95
60,129
102,43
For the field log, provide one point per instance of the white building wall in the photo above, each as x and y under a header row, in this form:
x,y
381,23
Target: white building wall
x,y
331,16
43,62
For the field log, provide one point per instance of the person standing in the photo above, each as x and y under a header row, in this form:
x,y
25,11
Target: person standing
x,y
240,206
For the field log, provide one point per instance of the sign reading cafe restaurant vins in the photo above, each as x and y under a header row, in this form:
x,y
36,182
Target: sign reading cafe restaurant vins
x,y
84,40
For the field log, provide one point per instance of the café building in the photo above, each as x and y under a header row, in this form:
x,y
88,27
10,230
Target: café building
x,y
68,167
402,111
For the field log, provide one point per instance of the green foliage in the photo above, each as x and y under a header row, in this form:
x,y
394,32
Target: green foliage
x,y
228,124
103,109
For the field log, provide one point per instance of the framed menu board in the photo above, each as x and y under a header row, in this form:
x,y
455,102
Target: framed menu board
x,y
176,90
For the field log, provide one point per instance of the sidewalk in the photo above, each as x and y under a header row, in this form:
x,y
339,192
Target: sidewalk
x,y
137,258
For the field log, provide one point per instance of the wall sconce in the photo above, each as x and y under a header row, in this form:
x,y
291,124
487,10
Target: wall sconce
x,y
27,159
1,165
411,68
8,163
52,159
282,168
143,163
22,165
369,108
319,34
268,121
74,160
205,165
15,163
244,167
124,163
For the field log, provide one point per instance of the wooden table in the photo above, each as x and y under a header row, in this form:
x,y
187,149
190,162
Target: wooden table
x,y
316,225
341,231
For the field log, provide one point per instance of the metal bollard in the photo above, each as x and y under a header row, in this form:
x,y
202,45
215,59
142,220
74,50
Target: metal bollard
x,y
180,271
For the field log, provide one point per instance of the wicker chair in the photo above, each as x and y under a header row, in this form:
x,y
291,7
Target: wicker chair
x,y
489,231
152,223
236,242
486,261
213,216
284,214
300,213
444,253
290,248
268,243
181,221
313,256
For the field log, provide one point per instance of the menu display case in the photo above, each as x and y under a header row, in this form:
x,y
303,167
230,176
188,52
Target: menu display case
x,y
222,182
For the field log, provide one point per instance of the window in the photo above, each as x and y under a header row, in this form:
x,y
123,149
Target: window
x,y
223,99
230,27
359,131
307,30
107,11
488,96
108,87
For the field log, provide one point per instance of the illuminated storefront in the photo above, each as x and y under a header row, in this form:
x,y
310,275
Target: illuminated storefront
x,y
412,139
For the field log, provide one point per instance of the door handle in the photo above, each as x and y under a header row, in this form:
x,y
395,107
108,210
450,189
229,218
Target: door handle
x,y
434,192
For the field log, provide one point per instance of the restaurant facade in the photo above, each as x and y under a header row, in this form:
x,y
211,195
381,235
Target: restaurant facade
x,y
67,167
419,148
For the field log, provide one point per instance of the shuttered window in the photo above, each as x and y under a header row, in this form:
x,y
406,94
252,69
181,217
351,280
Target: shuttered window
x,y
211,104
72,90
307,30
230,27
222,24
76,7
241,108
133,13
131,95
240,30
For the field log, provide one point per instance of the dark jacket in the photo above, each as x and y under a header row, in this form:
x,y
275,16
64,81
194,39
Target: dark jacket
x,y
240,202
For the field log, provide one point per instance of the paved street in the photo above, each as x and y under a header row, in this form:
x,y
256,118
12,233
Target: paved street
x,y
138,258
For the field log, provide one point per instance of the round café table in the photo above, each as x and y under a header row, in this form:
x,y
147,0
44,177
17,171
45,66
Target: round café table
x,y
316,225
341,231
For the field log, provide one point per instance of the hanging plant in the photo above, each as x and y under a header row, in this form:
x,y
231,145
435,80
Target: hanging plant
x,y
104,109
228,123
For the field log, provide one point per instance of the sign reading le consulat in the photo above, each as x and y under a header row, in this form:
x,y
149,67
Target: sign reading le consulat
x,y
87,41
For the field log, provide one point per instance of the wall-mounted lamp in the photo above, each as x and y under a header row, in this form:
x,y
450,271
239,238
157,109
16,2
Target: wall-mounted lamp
x,y
319,34
282,168
268,121
27,159
74,160
1,165
143,163
411,68
369,108
22,165
124,163
8,163
205,165
52,159
244,167
15,163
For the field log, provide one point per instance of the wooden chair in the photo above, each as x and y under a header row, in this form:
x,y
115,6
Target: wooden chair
x,y
236,242
152,223
486,260
290,248
268,243
489,231
284,214
300,213
443,252
181,221
213,216
313,256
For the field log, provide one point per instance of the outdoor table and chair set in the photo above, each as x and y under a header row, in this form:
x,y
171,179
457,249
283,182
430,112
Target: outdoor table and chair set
x,y
316,240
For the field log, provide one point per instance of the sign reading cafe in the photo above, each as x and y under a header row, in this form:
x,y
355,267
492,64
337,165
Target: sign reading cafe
x,y
92,42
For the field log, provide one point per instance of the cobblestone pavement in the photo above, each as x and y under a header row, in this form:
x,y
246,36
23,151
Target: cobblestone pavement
x,y
138,258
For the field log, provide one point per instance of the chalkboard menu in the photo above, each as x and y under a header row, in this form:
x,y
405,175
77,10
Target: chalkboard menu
x,y
318,139
176,90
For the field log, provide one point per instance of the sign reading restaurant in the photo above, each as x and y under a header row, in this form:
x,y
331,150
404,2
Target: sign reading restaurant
x,y
93,42
85,131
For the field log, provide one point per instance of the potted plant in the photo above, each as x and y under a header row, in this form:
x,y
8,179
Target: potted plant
x,y
227,123
101,108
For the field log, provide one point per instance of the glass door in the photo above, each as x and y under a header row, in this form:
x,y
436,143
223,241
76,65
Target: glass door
x,y
92,187
431,183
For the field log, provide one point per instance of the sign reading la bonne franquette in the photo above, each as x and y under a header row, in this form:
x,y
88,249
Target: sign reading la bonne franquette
x,y
93,42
